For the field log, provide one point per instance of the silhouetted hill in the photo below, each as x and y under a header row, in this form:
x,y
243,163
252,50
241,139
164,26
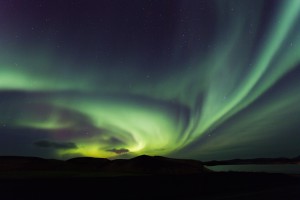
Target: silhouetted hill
x,y
156,165
138,165
10,163
87,163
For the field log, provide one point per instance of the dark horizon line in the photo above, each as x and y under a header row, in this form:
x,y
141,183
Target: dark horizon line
x,y
297,158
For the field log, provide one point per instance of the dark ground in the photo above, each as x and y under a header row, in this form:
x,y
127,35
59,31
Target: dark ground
x,y
219,185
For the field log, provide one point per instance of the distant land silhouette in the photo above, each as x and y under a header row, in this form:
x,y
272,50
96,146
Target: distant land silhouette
x,y
139,165
142,177
263,161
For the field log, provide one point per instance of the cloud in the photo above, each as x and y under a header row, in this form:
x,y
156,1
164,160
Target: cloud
x,y
119,151
55,145
115,141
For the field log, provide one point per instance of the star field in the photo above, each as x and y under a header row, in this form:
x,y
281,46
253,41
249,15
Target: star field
x,y
206,79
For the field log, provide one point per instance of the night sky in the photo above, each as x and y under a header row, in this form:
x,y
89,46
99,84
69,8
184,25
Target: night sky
x,y
212,79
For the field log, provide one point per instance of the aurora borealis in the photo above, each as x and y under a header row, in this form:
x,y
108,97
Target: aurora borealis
x,y
212,79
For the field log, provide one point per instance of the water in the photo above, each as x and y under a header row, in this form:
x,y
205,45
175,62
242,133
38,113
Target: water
x,y
280,168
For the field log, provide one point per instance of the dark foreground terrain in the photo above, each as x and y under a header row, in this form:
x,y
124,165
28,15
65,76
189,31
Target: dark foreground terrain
x,y
208,186
139,178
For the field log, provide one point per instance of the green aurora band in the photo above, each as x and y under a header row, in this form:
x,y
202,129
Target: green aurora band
x,y
222,102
